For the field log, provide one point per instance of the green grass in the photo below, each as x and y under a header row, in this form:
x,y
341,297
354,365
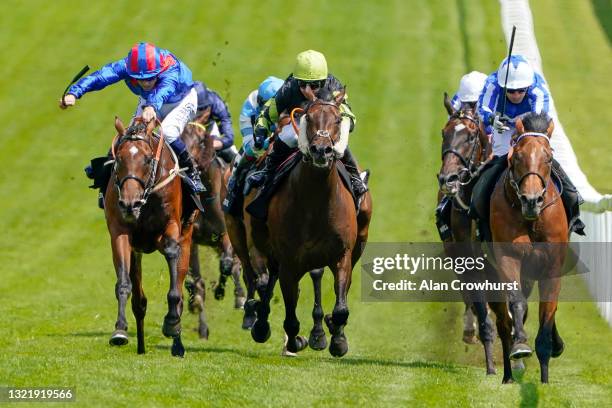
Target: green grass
x,y
58,306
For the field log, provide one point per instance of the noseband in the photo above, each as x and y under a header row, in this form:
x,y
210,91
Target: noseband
x,y
516,184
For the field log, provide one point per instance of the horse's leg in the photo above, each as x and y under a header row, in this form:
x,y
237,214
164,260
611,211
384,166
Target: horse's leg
x,y
250,305
239,294
469,324
177,257
337,320
518,308
317,340
197,292
260,332
121,259
547,333
486,333
226,262
139,300
504,329
291,291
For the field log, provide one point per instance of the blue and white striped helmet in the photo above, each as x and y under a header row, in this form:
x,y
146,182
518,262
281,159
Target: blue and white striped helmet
x,y
268,88
520,73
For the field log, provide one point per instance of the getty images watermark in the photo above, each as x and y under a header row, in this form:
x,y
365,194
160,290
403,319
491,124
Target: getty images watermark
x,y
433,272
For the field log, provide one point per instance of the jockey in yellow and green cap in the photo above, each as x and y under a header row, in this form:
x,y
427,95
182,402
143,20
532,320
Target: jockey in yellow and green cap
x,y
310,74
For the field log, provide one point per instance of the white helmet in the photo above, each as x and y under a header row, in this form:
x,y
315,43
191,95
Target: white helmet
x,y
520,76
470,86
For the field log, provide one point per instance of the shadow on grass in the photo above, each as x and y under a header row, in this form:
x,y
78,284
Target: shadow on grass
x,y
451,368
216,350
603,12
80,334
529,390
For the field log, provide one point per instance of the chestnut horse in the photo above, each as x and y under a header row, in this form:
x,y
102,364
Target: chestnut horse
x,y
312,223
463,149
145,212
526,209
239,230
209,227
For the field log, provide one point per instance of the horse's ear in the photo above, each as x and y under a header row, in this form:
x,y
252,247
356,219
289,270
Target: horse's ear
x,y
340,97
551,127
520,129
309,94
119,126
204,116
447,105
150,127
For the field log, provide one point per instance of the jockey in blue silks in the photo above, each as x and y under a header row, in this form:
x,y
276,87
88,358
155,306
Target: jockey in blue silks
x,y
165,89
251,108
526,92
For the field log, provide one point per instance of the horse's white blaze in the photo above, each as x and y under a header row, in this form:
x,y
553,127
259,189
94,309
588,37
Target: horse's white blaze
x,y
133,150
459,128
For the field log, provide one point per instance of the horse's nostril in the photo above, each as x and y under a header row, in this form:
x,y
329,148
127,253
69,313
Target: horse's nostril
x,y
122,204
138,204
540,200
313,149
328,150
523,198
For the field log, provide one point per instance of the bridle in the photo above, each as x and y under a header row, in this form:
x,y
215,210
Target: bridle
x,y
516,184
320,132
469,166
150,185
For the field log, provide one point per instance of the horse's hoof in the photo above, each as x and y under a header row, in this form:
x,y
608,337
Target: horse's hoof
x,y
338,346
219,292
508,380
239,302
203,332
557,349
469,337
171,329
260,332
118,338
177,348
317,340
298,344
520,350
518,365
491,371
248,321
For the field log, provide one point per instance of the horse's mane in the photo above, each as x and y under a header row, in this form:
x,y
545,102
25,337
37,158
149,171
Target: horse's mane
x,y
536,122
325,94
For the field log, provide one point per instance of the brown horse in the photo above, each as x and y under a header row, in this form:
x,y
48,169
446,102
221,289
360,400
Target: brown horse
x,y
464,145
239,230
209,227
526,209
145,212
312,223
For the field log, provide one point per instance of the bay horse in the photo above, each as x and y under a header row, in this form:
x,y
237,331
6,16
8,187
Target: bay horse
x,y
526,210
312,223
464,145
256,275
145,211
209,227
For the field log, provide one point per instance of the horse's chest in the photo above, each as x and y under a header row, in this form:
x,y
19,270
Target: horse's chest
x,y
146,234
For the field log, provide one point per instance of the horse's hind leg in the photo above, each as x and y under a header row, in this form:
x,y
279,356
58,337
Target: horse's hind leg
x,y
239,294
291,292
548,336
504,329
317,340
337,320
226,262
260,332
139,300
121,259
486,333
469,323
197,292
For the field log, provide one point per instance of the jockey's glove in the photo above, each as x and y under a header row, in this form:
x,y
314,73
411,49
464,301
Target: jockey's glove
x,y
499,124
259,137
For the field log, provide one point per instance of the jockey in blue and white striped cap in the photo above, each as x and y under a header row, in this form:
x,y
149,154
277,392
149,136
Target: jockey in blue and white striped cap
x,y
526,91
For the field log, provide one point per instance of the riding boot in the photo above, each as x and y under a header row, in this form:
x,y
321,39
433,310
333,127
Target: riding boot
x,y
233,201
100,171
571,200
258,208
192,175
228,154
359,187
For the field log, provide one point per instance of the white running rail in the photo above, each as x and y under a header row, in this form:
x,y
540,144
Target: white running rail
x,y
597,209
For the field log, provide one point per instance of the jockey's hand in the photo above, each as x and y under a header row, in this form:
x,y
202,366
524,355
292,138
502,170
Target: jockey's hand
x,y
148,114
217,144
499,124
259,137
67,100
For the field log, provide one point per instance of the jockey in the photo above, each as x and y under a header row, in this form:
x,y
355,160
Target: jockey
x,y
310,74
220,122
470,88
165,89
526,91
251,108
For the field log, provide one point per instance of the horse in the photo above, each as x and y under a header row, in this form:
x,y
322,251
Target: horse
x,y
526,210
145,211
239,231
209,228
312,222
464,144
